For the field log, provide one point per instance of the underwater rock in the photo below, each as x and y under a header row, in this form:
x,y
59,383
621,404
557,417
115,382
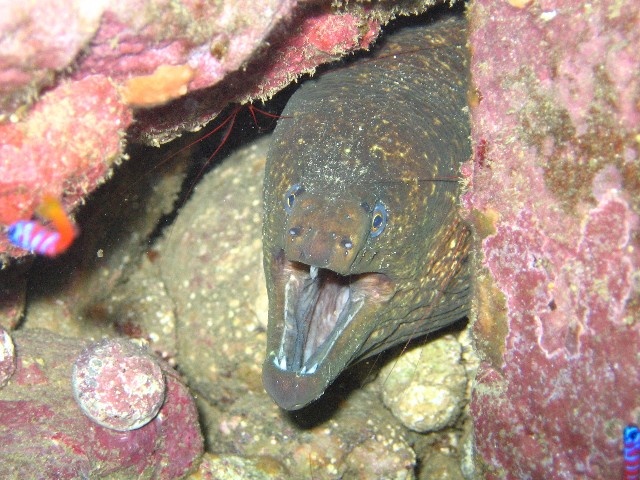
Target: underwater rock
x,y
555,198
360,439
440,466
118,384
425,387
65,441
210,263
141,309
232,467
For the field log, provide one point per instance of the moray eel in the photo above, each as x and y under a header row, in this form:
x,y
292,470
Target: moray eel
x,y
363,245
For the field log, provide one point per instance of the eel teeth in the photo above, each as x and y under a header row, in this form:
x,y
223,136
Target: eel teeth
x,y
281,362
310,370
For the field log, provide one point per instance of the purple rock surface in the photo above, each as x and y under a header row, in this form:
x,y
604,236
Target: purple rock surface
x,y
44,434
118,384
554,195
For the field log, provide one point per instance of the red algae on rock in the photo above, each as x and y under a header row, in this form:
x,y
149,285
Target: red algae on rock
x,y
557,126
118,384
64,147
65,444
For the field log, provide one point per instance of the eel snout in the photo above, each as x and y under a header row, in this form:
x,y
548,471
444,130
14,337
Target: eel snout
x,y
327,233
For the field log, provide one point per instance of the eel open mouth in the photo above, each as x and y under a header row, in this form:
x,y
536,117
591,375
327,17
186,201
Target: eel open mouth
x,y
319,306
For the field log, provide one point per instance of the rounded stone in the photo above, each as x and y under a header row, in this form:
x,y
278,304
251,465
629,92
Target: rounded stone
x,y
7,357
118,384
425,388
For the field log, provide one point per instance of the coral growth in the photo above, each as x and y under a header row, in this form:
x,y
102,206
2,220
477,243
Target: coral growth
x,y
555,199
118,385
64,147
66,442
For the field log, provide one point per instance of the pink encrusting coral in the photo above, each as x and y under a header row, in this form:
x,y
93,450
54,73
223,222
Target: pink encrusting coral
x,y
63,147
118,385
554,194
44,434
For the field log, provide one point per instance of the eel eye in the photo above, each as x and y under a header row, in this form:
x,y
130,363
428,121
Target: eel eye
x,y
378,219
290,196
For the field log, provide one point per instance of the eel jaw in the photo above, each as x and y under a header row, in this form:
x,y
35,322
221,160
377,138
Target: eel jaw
x,y
318,307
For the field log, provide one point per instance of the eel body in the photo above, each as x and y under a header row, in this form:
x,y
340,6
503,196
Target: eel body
x,y
363,245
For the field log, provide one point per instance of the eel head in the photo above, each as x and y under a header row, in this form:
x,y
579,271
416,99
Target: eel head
x,y
323,297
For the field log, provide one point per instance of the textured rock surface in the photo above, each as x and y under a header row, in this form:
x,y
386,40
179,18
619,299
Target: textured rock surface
x,y
64,444
210,264
118,384
425,388
440,466
232,467
555,198
361,439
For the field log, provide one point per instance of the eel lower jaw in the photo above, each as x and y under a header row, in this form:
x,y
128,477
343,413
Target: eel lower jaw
x,y
316,343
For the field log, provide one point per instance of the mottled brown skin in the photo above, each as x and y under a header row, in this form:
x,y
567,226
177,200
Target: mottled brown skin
x,y
385,134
